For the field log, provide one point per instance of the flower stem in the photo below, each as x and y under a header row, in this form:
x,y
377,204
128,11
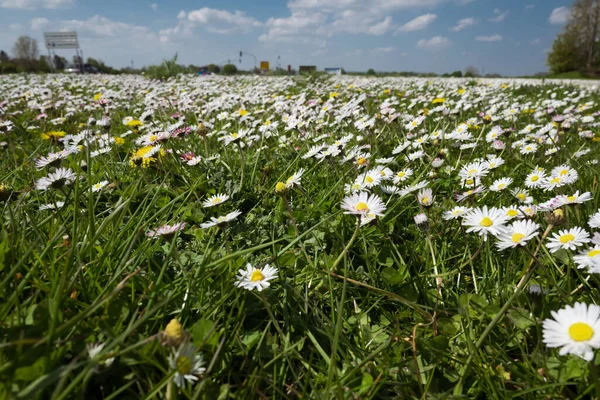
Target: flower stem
x,y
524,279
347,246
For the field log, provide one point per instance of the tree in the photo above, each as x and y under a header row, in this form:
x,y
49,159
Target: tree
x,y
59,62
4,58
576,47
371,71
213,68
456,74
26,48
230,69
471,72
564,56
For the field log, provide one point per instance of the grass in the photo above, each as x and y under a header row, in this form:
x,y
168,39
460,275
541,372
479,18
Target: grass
x,y
354,312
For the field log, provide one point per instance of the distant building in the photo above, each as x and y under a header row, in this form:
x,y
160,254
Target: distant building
x,y
334,71
307,68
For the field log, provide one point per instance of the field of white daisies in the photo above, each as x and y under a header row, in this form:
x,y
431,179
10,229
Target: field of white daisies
x,y
298,237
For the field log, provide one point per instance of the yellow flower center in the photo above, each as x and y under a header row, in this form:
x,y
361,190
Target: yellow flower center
x,y
280,186
593,253
257,276
572,198
216,201
368,179
469,181
234,135
517,237
243,112
362,206
566,238
512,212
183,365
555,180
361,161
425,200
564,172
535,178
487,222
521,196
581,332
401,174
472,171
501,186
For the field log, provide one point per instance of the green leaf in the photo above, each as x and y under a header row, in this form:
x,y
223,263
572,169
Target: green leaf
x,y
201,333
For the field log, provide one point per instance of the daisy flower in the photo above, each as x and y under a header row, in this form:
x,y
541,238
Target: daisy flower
x,y
98,186
576,330
168,231
473,170
254,278
187,364
425,197
574,199
535,179
522,195
589,258
56,179
484,221
518,233
456,212
294,180
500,184
594,221
568,239
567,174
403,175
529,148
50,206
222,220
215,200
365,206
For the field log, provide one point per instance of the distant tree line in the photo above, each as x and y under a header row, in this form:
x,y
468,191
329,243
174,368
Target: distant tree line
x,y
470,72
576,48
26,58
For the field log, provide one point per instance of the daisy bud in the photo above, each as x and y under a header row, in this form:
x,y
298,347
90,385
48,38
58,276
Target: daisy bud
x,y
174,334
422,222
280,187
556,218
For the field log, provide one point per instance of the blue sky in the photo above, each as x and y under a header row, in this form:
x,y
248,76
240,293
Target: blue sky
x,y
510,37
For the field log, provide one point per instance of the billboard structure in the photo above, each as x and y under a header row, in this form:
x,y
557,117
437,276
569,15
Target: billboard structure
x,y
60,41
264,65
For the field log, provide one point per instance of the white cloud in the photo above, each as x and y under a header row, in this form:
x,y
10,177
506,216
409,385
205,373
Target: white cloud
x,y
15,27
373,6
499,16
222,21
529,7
463,23
102,27
559,16
292,27
418,23
383,50
154,6
351,21
353,53
181,15
535,41
35,4
39,23
492,38
435,43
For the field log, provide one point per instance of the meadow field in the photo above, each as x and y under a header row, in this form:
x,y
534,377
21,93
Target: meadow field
x,y
298,237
